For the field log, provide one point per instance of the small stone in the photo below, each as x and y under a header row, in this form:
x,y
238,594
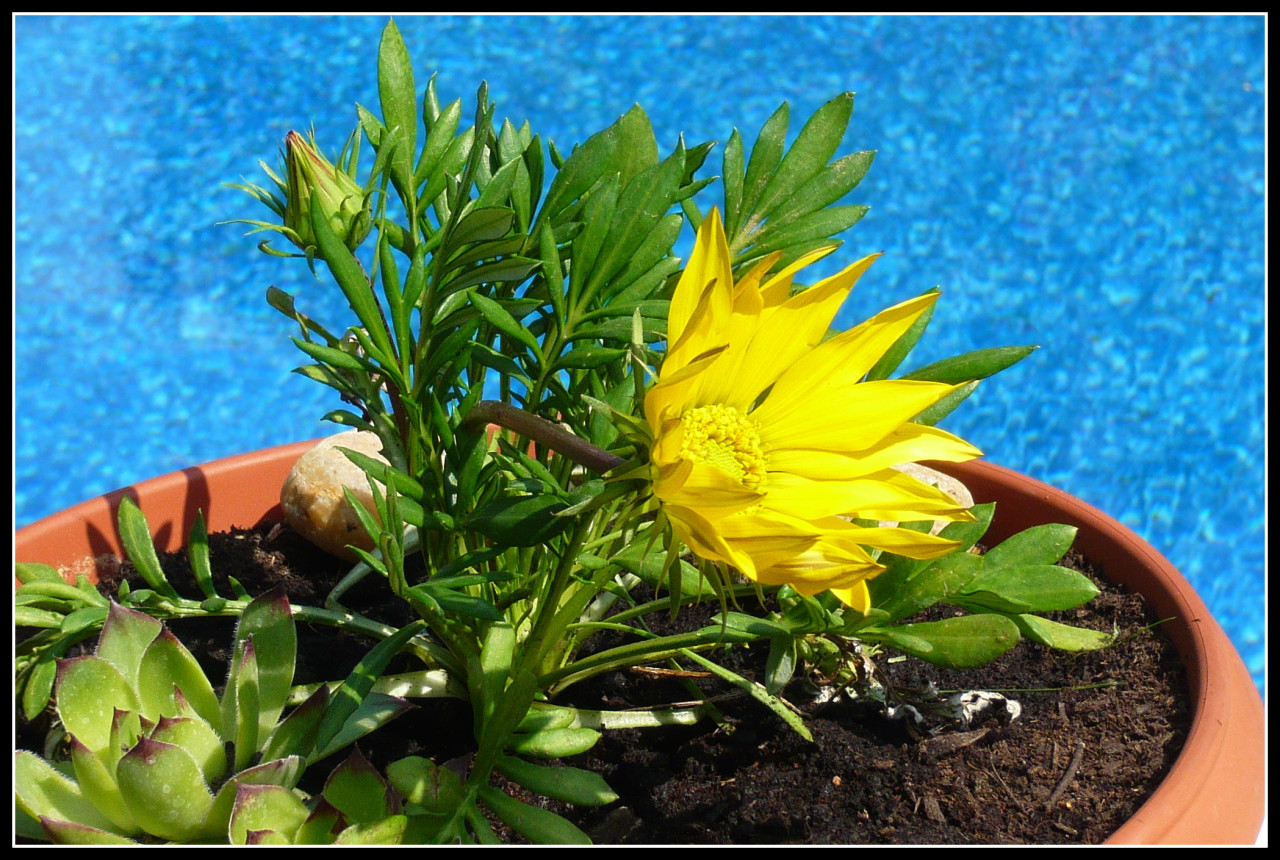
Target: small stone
x,y
312,495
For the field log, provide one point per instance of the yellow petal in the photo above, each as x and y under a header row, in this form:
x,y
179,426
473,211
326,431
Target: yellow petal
x,y
910,443
845,359
849,418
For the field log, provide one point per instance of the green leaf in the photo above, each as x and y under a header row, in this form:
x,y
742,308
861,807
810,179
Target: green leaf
x,y
166,789
30,571
953,643
265,809
498,317
350,278
1061,636
570,784
809,154
135,534
554,743
356,790
124,639
946,405
1043,544
1026,588
196,737
978,364
520,520
88,692
939,580
240,703
398,97
357,685
296,733
268,620
540,826
165,664
40,790
198,553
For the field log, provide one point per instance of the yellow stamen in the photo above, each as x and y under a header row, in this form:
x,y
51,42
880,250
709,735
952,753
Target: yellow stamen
x,y
723,437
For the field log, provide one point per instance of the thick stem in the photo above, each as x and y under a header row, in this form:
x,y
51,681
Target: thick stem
x,y
541,430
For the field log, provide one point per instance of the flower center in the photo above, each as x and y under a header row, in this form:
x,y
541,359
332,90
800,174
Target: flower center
x,y
723,437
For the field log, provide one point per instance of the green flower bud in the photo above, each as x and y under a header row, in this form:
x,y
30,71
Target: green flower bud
x,y
309,174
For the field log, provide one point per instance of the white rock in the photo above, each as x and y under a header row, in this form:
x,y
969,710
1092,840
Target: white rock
x,y
312,495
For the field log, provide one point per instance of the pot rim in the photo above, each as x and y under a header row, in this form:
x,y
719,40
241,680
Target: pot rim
x,y
1217,780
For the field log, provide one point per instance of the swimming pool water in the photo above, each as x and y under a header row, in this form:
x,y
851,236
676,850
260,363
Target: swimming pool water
x,y
1094,185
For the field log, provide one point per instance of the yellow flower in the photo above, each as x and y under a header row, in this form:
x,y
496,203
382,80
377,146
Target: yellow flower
x,y
765,441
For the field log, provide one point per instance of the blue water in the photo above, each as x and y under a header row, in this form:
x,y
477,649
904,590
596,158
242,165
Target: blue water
x,y
1091,185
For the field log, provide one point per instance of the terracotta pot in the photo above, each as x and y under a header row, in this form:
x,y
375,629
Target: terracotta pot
x,y
1214,793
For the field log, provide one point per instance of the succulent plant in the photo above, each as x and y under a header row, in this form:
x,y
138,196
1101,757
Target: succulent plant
x,y
155,754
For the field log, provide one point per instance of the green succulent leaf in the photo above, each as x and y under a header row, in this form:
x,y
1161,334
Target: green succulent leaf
x,y
166,789
265,809
269,621
554,743
356,789
89,690
40,791
135,534
124,639
168,665
199,739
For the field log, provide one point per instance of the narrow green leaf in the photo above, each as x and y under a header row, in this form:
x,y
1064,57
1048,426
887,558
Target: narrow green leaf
x,y
570,784
757,692
360,681
812,148
978,364
135,534
540,826
398,97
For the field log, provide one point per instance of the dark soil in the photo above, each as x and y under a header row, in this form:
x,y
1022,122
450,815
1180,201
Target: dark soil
x,y
1097,732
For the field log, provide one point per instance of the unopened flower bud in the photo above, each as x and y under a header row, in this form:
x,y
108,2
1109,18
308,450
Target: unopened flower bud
x,y
309,174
